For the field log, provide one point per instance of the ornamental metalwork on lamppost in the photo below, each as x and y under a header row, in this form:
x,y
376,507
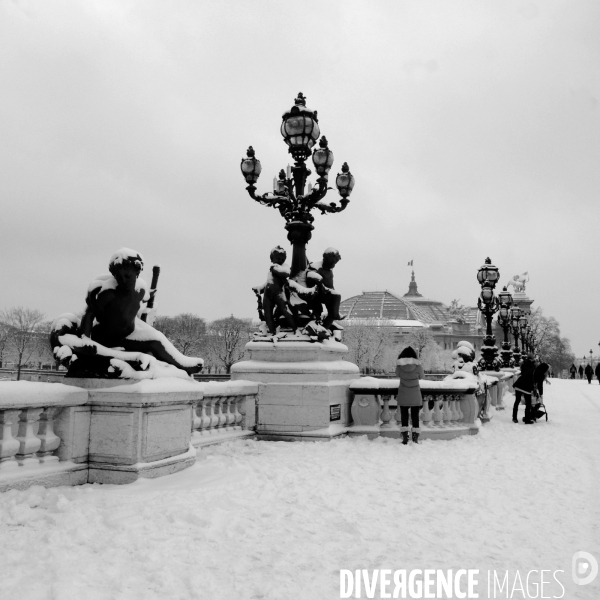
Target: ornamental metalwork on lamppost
x,y
504,317
295,198
523,325
515,320
488,304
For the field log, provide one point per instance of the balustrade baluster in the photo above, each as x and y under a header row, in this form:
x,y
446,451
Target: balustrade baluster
x,y
437,412
386,415
446,412
8,444
459,413
29,443
426,415
49,440
204,417
214,415
237,415
219,412
230,412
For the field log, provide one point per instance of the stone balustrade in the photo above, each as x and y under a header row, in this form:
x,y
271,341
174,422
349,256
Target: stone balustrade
x,y
115,431
498,384
450,408
226,411
33,444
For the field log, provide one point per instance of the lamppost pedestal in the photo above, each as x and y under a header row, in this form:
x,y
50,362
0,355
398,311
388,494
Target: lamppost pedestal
x,y
303,389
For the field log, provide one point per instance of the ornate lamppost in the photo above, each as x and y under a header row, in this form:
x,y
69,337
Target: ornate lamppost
x,y
295,198
515,321
488,304
300,131
504,320
523,325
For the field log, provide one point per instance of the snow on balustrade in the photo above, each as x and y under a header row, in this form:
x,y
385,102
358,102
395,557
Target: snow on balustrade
x,y
449,408
30,449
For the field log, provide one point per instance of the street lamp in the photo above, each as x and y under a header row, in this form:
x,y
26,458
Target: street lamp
x,y
515,319
504,320
292,195
300,130
488,304
591,355
524,342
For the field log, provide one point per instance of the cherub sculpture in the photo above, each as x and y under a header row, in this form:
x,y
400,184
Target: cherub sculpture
x,y
276,293
518,282
111,340
326,294
286,305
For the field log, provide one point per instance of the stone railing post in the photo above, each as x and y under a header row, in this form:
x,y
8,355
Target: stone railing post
x,y
49,440
426,416
29,443
386,415
8,444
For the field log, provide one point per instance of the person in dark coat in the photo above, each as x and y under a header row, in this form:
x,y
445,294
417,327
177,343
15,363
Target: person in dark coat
x,y
580,371
409,370
589,372
573,371
524,387
597,371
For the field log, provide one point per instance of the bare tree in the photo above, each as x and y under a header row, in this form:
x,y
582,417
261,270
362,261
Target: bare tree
x,y
186,331
370,343
3,342
23,335
420,340
226,340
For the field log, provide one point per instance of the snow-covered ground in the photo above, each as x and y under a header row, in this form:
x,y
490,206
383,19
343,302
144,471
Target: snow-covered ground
x,y
279,520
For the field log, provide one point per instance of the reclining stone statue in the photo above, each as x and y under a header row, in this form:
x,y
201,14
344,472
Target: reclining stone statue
x,y
111,340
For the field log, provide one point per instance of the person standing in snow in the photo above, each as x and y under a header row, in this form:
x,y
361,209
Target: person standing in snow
x,y
589,372
597,371
580,371
573,371
409,370
524,386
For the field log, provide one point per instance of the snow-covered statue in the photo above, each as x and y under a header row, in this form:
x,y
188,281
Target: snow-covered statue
x,y
320,274
112,338
518,282
464,366
285,305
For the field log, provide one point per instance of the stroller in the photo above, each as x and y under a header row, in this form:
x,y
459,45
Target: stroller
x,y
539,408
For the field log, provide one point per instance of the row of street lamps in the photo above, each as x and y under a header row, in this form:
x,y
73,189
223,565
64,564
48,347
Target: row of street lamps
x,y
511,318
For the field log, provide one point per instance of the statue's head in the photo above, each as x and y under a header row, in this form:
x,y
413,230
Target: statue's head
x,y
278,255
125,266
331,257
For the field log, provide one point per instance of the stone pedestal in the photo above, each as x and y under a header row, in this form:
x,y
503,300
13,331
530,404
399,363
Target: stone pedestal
x,y
140,429
303,388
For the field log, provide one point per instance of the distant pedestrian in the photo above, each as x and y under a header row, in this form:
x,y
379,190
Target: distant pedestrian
x,y
524,386
580,371
589,372
598,372
409,370
573,371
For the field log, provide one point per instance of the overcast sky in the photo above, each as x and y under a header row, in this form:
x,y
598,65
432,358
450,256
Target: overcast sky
x,y
472,129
